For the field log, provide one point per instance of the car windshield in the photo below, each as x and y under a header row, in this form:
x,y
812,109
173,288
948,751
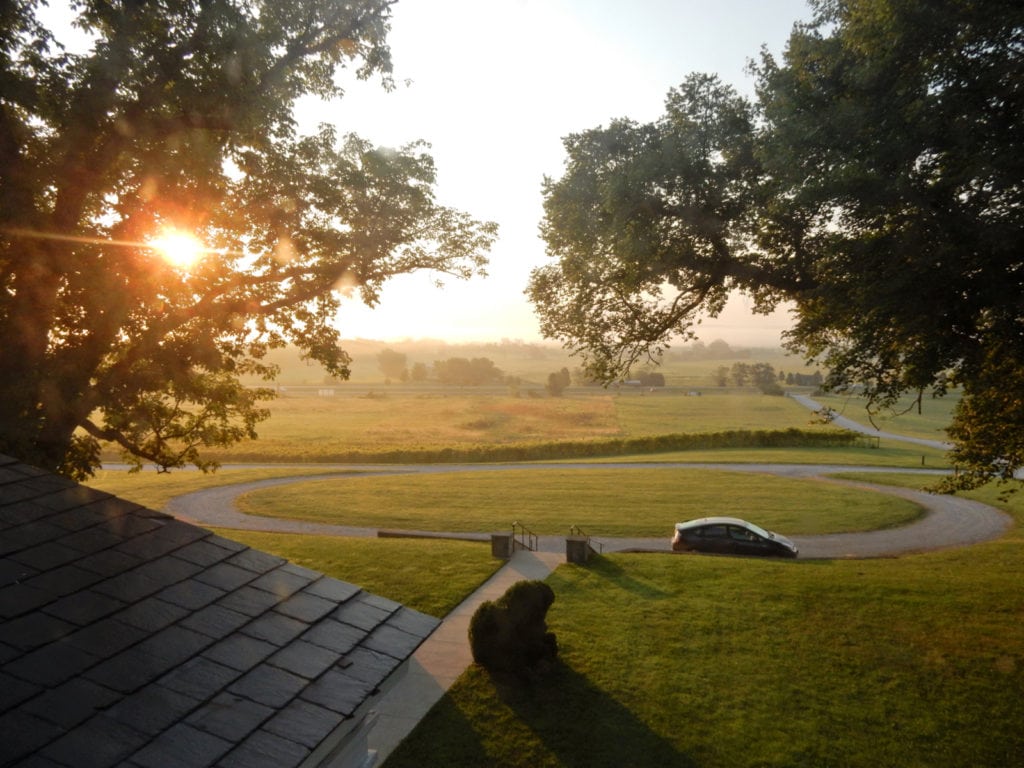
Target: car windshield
x,y
761,531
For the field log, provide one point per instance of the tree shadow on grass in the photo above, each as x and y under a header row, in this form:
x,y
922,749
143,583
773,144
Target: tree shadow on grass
x,y
558,718
584,727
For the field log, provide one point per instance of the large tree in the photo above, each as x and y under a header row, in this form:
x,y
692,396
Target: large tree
x,y
876,184
179,116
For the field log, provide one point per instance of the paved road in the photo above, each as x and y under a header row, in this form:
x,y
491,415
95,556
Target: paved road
x,y
950,521
853,426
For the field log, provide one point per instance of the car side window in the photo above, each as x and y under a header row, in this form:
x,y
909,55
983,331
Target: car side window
x,y
742,534
713,532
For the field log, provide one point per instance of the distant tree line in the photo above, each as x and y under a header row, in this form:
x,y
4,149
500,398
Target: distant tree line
x,y
457,371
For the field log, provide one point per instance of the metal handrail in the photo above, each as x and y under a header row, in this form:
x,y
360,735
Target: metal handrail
x,y
527,538
575,530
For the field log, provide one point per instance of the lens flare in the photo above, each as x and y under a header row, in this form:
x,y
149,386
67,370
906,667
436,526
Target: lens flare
x,y
179,249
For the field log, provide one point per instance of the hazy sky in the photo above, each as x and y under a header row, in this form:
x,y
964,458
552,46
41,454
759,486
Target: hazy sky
x,y
494,85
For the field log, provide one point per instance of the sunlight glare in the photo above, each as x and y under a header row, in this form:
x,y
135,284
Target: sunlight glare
x,y
179,249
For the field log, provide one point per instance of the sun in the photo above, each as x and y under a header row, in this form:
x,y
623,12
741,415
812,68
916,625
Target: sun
x,y
177,248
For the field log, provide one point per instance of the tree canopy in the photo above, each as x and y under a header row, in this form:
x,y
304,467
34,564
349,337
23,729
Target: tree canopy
x,y
179,118
875,184
465,372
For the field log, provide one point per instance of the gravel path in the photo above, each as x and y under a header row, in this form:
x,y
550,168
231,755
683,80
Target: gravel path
x,y
951,521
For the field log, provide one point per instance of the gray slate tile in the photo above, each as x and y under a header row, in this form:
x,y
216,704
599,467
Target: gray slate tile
x,y
269,685
28,535
206,552
303,722
265,750
64,580
109,563
305,659
84,608
45,556
305,607
225,576
392,641
200,678
182,746
281,582
106,638
11,571
72,703
414,622
338,692
191,594
51,665
20,599
361,614
240,652
152,614
368,666
250,601
275,628
153,709
333,589
215,621
14,691
33,630
334,635
143,663
100,742
22,733
255,561
230,716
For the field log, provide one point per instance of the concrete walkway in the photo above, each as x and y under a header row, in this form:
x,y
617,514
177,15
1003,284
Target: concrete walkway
x,y
445,654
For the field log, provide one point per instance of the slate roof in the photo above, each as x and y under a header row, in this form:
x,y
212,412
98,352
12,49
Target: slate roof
x,y
130,638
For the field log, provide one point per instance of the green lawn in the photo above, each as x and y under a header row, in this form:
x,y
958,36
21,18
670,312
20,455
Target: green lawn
x,y
605,502
691,661
929,422
154,489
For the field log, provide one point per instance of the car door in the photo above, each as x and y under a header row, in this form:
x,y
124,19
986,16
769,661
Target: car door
x,y
715,538
746,542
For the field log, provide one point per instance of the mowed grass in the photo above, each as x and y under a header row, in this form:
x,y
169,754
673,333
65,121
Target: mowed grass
x,y
724,662
432,576
605,502
644,412
154,489
905,419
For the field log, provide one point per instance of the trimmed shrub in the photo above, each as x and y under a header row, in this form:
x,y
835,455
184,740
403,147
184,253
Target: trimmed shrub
x,y
510,635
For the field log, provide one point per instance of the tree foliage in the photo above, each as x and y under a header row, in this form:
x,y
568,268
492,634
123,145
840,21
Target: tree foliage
x,y
392,364
180,115
466,372
876,184
558,382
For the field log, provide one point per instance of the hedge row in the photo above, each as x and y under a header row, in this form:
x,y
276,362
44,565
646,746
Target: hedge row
x,y
787,438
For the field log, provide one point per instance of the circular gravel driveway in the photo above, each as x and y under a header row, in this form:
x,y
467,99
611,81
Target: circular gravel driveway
x,y
950,521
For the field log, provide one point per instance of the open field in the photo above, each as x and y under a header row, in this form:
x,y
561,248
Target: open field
x,y
605,502
905,419
704,661
400,425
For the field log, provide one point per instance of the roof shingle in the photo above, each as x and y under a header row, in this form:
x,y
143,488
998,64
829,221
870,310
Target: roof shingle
x,y
129,638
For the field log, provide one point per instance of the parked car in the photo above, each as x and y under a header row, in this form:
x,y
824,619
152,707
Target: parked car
x,y
730,536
